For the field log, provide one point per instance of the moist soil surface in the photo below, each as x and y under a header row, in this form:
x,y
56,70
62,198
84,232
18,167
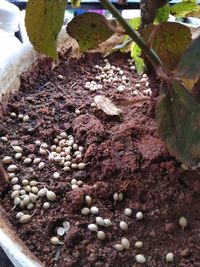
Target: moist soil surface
x,y
123,154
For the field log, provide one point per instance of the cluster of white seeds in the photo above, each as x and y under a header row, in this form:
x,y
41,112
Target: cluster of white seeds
x,y
60,231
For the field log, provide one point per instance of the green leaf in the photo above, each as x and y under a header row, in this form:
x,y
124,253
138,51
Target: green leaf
x,y
181,10
135,23
135,50
139,65
189,66
178,118
43,22
170,42
75,3
89,29
162,14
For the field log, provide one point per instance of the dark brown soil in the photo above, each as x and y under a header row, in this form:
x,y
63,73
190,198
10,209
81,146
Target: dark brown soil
x,y
124,154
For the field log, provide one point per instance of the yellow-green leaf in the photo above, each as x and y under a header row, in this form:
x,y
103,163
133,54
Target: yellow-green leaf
x,y
183,9
178,118
170,42
139,65
44,20
162,14
75,3
89,29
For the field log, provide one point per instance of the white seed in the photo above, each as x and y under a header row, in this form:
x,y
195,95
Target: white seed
x,y
140,258
88,200
17,149
19,215
125,243
115,196
139,215
27,188
85,211
33,197
74,166
51,157
137,86
18,155
14,180
56,175
93,105
92,227
60,77
67,163
36,160
169,257
25,218
121,196
21,204
63,135
55,241
44,145
22,192
182,222
81,148
4,139
7,160
101,235
51,196
74,186
66,169
60,231
41,165
16,187
20,116
17,201
99,221
14,194
107,222
13,115
26,118
77,112
123,225
11,175
138,244
34,189
30,206
42,151
66,226
46,205
26,200
12,168
37,142
25,182
81,166
58,159
94,210
119,247
33,183
128,212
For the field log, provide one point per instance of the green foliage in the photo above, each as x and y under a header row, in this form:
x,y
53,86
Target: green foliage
x,y
162,14
178,117
135,23
189,65
75,3
183,9
166,42
89,29
43,23
136,54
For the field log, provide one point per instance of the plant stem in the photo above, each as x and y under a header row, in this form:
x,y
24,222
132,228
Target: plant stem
x,y
132,33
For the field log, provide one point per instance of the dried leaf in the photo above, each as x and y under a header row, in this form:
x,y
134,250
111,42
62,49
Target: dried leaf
x,y
106,105
178,118
89,30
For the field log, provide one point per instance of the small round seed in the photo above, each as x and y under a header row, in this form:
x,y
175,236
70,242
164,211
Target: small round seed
x,y
140,258
33,183
30,206
44,145
41,165
51,157
101,235
138,244
19,215
16,187
92,227
125,243
34,189
17,201
81,166
99,221
56,175
81,148
42,192
51,196
11,175
25,218
42,151
25,182
94,210
18,155
22,192
128,212
37,142
14,180
115,196
12,168
182,222
121,196
123,225
63,135
60,77
26,118
58,159
66,169
75,146
85,211
88,200
46,205
15,194
36,160
119,247
79,183
4,139
26,200
7,160
107,222
73,181
13,115
139,215
27,188
74,166
74,186
60,231
66,226
17,149
77,112
55,241
33,197
169,257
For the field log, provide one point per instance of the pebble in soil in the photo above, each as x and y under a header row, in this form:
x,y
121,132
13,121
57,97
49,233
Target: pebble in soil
x,y
124,154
